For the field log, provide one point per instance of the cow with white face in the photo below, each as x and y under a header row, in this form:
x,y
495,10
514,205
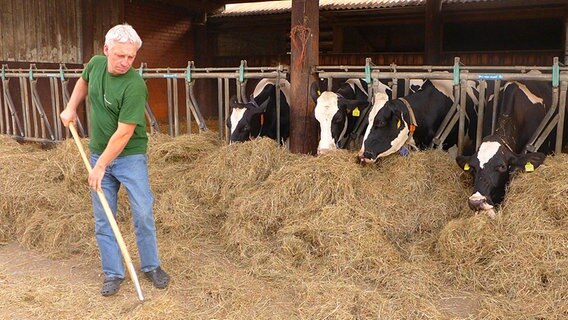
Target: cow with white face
x,y
258,117
522,107
341,113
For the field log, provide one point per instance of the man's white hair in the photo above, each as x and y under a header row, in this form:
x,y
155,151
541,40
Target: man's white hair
x,y
123,33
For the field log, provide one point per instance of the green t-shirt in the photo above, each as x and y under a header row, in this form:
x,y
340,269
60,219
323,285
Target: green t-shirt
x,y
115,99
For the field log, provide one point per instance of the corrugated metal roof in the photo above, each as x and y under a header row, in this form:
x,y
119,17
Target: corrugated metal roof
x,y
366,4
272,7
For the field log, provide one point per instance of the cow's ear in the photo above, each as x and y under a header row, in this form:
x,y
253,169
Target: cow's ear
x,y
363,104
463,162
351,105
387,111
315,91
526,162
343,104
233,102
262,107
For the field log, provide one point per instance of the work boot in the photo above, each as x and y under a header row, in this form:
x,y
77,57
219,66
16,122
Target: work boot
x,y
159,278
111,286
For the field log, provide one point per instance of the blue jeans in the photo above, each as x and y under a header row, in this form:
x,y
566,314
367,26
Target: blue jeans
x,y
132,173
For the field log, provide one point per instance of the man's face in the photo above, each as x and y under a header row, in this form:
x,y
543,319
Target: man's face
x,y
120,57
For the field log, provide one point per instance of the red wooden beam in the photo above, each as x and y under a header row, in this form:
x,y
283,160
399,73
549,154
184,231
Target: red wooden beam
x,y
433,34
304,36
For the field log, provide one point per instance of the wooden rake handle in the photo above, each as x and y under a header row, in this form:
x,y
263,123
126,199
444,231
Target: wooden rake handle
x,y
110,216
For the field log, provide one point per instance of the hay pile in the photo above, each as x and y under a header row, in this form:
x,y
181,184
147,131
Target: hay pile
x,y
45,194
521,258
253,231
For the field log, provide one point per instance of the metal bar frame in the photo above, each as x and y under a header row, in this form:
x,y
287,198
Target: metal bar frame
x,y
29,130
476,73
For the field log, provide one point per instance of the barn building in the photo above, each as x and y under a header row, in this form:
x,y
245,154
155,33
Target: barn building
x,y
40,39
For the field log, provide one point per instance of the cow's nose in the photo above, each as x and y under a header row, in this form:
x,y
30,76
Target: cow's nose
x,y
475,204
364,160
479,202
323,150
367,155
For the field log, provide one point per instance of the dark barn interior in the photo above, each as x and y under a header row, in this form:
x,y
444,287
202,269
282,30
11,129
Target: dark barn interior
x,y
175,32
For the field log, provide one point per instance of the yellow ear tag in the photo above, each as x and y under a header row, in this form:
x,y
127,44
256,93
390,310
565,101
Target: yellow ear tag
x,y
466,167
356,112
529,167
398,124
319,93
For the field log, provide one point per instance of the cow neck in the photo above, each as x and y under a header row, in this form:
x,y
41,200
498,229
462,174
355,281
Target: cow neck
x,y
343,136
253,102
504,142
506,133
413,124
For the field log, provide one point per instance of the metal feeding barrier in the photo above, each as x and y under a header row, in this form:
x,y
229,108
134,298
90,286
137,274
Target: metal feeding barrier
x,y
35,116
224,77
460,75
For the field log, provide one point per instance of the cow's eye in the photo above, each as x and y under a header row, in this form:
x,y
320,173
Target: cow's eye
x,y
245,128
502,168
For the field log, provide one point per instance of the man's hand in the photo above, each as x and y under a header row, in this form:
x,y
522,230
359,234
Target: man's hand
x,y
96,177
67,116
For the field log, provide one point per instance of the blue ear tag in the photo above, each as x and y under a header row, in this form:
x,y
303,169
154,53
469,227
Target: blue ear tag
x,y
404,151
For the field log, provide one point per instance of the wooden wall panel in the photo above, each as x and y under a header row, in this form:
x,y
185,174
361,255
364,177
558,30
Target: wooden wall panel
x,y
107,14
40,31
7,34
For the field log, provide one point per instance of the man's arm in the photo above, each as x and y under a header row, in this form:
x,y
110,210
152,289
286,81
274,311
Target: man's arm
x,y
69,114
114,147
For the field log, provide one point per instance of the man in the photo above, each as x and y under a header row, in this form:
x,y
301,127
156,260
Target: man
x,y
118,142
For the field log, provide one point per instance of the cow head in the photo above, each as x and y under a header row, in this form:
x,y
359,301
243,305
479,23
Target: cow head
x,y
333,112
492,166
245,119
388,131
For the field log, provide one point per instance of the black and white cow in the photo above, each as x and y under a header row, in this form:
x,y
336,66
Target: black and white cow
x,y
258,117
411,121
522,106
340,113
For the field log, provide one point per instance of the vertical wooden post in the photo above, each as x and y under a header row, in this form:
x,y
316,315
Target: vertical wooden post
x,y
304,39
433,34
